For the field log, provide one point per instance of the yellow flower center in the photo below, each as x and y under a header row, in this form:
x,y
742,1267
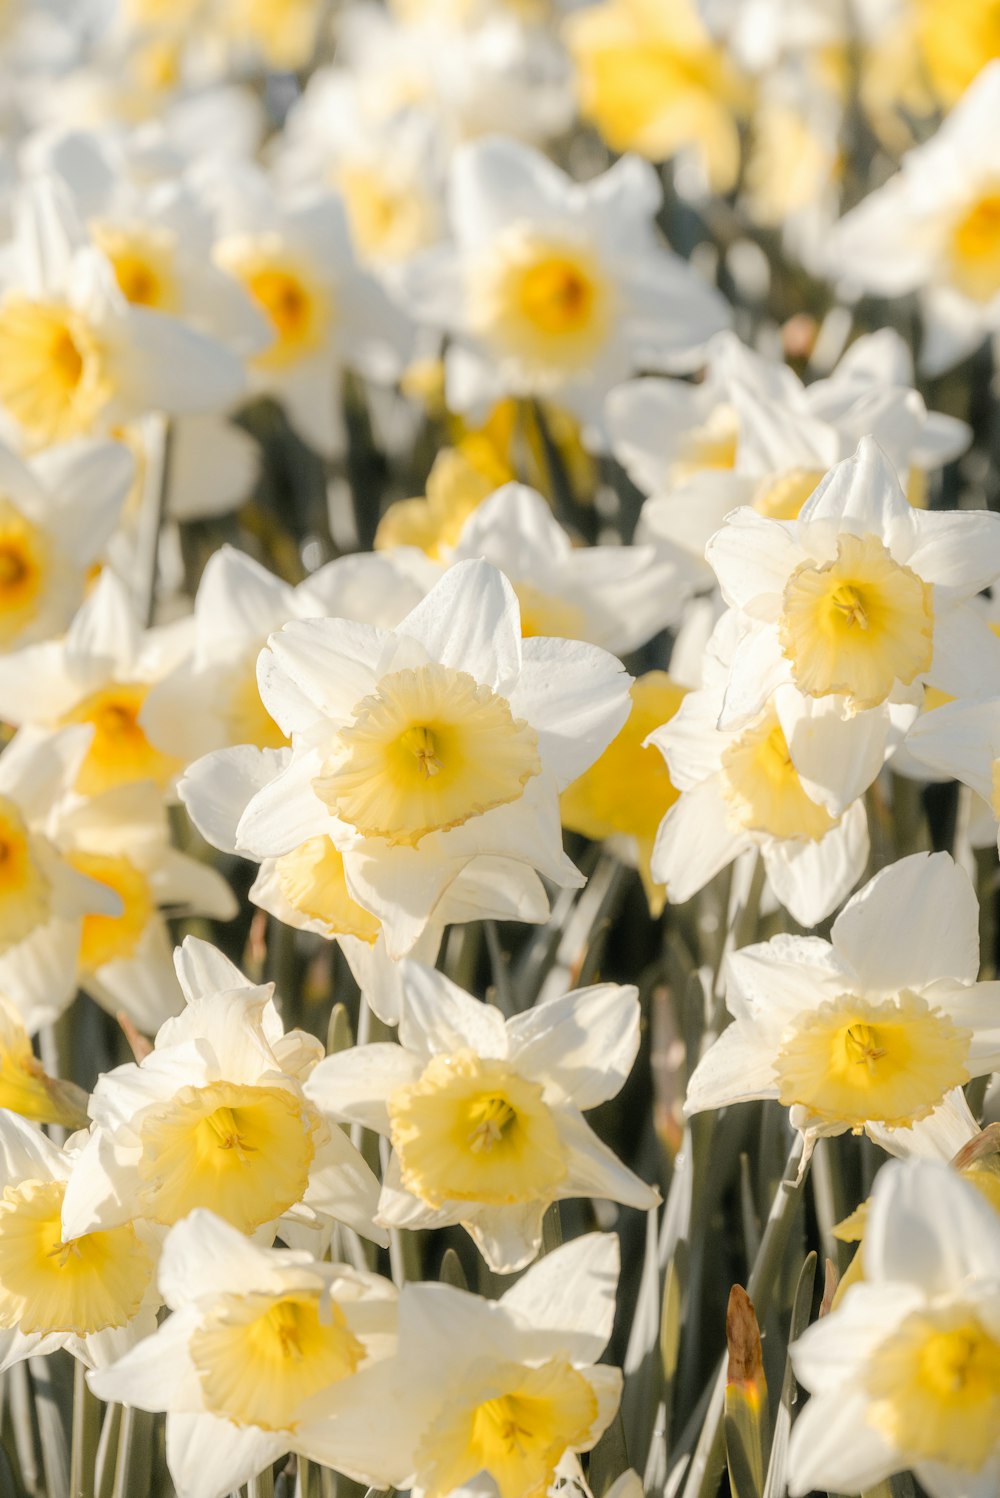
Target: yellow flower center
x,y
286,291
312,879
518,1436
260,1359
142,260
52,375
857,625
119,752
247,719
430,749
471,1129
25,892
108,938
763,789
544,302
936,1389
23,571
781,497
851,1061
48,1284
243,1151
546,615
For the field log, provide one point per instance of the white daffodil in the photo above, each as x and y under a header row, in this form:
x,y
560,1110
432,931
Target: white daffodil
x,y
752,434
871,1030
493,1398
216,1116
485,1116
554,288
614,596
420,749
297,264
93,1293
388,168
857,605
44,900
905,1373
99,674
76,358
471,68
121,839
157,234
740,789
263,1350
934,228
57,513
961,740
211,699
307,886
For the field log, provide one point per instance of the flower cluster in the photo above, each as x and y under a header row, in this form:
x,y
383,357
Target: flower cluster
x,y
499,746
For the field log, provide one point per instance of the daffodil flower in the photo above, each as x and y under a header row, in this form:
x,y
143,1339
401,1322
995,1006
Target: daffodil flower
x,y
216,1116
904,1374
418,750
485,1116
93,1293
493,1399
872,1030
263,1351
554,288
857,605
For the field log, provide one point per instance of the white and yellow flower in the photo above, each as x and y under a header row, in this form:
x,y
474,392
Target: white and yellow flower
x,y
554,288
93,1293
617,597
495,1399
419,749
216,1116
297,265
904,1374
871,1030
99,674
934,228
752,434
263,1352
857,605
76,357
739,789
485,1116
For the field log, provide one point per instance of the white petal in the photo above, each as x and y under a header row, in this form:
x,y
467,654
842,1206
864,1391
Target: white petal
x,y
439,1017
582,1045
694,841
572,1290
470,621
576,698
812,878
354,1086
916,921
207,1456
929,1229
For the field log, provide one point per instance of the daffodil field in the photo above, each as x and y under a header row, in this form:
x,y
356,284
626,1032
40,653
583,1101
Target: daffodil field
x,y
499,748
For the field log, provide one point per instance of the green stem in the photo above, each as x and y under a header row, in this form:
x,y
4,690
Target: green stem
x,y
708,1460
